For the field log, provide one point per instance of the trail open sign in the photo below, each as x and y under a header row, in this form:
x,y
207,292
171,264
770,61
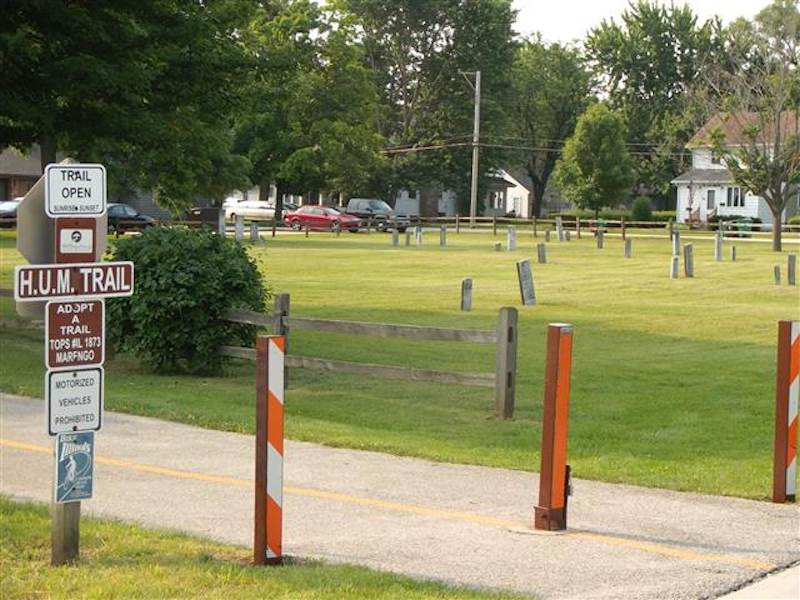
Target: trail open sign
x,y
75,190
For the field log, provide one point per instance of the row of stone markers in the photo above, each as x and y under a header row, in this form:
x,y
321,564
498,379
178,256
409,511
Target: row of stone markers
x,y
65,212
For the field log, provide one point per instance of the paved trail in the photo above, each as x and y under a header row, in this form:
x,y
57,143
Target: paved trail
x,y
461,524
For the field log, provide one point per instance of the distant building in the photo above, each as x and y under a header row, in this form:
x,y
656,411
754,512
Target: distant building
x,y
18,172
708,189
508,193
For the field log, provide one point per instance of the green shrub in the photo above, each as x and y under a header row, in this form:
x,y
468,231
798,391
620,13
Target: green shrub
x,y
664,215
795,220
184,279
641,211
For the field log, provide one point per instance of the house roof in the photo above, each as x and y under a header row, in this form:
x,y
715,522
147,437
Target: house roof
x,y
704,176
733,123
15,163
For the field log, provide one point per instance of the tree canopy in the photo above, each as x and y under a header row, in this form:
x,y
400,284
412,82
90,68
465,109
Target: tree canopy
x,y
753,108
551,89
595,169
647,63
147,87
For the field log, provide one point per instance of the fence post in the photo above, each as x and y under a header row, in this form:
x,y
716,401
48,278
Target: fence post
x,y
494,226
458,225
550,513
268,526
253,231
791,269
506,368
622,226
279,315
671,228
535,234
578,227
787,395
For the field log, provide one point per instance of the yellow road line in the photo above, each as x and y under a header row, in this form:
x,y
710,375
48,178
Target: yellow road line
x,y
413,509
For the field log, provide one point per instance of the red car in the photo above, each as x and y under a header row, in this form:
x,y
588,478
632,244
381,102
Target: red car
x,y
320,217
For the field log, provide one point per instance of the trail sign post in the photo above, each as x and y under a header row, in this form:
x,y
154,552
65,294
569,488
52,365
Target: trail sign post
x,y
62,232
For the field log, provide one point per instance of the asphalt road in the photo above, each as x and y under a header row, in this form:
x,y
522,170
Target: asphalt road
x,y
465,525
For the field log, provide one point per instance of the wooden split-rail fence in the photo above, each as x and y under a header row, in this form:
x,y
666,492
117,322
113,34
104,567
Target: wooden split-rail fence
x,y
504,338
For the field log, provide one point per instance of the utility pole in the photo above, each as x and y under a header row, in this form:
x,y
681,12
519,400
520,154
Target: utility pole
x,y
476,136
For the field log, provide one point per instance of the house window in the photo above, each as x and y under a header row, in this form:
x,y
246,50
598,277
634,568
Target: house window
x,y
711,201
735,196
715,158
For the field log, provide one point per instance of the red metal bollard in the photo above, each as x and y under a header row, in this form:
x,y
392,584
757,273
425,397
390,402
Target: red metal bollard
x,y
551,512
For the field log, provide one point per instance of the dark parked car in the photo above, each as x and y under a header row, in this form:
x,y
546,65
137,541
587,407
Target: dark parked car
x,y
122,218
8,212
320,217
381,214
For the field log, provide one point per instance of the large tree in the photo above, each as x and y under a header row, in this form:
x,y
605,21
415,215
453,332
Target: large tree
x,y
595,168
647,62
418,51
551,89
753,104
146,87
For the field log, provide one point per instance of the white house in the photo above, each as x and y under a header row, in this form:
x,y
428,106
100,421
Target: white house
x,y
708,189
506,194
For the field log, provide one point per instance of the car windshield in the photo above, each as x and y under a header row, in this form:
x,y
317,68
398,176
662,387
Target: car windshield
x,y
379,205
9,205
331,212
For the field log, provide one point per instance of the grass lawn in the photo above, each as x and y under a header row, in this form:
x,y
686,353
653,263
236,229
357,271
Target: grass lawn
x,y
126,561
673,380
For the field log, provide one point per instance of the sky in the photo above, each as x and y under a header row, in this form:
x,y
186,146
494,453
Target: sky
x,y
568,20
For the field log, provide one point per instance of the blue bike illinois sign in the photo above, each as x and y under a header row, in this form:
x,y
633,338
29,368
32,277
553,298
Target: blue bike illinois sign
x,y
74,466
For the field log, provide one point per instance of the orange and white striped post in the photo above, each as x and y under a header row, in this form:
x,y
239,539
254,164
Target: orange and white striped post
x,y
787,395
551,512
268,531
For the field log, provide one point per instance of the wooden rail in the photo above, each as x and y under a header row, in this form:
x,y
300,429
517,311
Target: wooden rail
x,y
505,339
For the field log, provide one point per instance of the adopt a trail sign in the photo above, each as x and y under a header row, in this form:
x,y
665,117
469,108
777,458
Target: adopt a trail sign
x,y
75,333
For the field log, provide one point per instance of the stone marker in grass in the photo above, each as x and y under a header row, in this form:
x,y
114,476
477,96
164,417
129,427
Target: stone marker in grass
x,y
547,235
466,294
541,253
676,243
688,260
498,246
418,235
395,237
733,253
525,276
718,245
511,238
559,229
408,237
628,248
253,232
443,236
777,270
239,228
673,267
791,269
600,238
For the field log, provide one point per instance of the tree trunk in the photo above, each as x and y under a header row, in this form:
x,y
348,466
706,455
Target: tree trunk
x,y
264,186
428,202
776,229
47,149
